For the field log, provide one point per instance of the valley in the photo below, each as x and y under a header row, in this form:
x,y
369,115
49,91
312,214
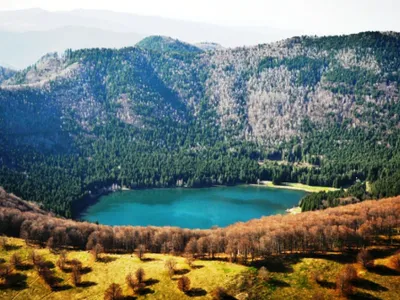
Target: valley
x,y
221,150
343,252
168,114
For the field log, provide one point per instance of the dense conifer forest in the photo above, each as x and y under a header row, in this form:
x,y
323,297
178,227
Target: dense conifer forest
x,y
319,111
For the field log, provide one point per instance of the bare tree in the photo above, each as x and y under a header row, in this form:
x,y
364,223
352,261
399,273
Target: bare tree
x,y
96,251
140,275
16,261
184,284
76,263
395,262
35,258
62,260
140,251
189,261
364,259
5,271
191,247
220,293
3,242
113,292
263,274
131,282
76,276
170,265
344,280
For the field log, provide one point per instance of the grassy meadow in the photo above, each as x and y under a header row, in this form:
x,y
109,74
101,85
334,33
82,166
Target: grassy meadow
x,y
298,186
290,277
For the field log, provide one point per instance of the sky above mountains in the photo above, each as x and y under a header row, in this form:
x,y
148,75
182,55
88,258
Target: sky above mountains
x,y
31,28
307,16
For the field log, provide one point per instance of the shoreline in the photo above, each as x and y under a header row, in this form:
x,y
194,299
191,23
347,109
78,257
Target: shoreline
x,y
294,210
92,198
296,187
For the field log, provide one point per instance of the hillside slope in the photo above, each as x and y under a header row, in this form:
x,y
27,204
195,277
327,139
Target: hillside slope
x,y
321,111
277,257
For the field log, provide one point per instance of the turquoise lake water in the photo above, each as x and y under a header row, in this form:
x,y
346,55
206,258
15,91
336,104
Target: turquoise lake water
x,y
191,208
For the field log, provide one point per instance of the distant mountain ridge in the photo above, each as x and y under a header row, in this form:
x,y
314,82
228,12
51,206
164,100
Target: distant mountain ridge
x,y
40,31
166,44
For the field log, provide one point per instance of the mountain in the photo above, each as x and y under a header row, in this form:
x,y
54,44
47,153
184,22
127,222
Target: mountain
x,y
40,31
316,110
166,44
5,74
209,46
15,50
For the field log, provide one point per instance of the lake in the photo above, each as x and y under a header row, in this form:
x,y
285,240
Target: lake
x,y
191,208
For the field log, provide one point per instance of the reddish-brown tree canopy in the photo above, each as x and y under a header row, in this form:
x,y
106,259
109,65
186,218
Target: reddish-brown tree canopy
x,y
331,229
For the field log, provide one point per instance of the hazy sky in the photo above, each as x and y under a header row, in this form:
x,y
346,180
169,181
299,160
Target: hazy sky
x,y
309,16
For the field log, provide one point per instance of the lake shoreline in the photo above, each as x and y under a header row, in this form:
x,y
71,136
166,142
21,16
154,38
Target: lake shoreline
x,y
80,206
295,186
188,207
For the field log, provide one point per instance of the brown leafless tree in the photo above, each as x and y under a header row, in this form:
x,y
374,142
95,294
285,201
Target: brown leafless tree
x,y
113,292
184,284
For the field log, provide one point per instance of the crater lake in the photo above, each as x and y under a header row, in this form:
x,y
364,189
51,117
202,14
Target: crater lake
x,y
191,208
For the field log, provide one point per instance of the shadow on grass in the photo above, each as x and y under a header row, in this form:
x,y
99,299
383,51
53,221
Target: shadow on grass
x,y
383,253
327,284
48,264
151,281
278,283
196,292
86,270
87,284
145,291
59,288
182,271
197,267
148,259
277,264
342,258
362,296
15,282
128,298
24,267
107,259
12,247
2,260
369,285
383,271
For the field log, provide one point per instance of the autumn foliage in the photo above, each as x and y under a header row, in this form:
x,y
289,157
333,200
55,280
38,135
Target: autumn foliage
x,y
345,279
184,284
113,292
334,229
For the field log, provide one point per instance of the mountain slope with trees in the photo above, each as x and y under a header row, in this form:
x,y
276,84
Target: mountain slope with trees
x,y
320,111
276,257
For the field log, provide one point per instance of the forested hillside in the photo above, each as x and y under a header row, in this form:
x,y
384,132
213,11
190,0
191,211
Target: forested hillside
x,y
5,74
321,111
344,252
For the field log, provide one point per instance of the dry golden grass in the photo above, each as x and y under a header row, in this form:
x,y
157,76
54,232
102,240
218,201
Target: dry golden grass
x,y
206,275
295,280
299,187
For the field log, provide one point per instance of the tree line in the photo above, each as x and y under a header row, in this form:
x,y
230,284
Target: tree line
x,y
340,228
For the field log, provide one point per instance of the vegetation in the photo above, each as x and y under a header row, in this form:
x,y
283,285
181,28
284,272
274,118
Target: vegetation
x,y
184,284
345,227
166,114
290,275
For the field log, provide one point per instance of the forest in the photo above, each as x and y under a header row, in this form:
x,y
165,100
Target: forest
x,y
315,110
353,226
